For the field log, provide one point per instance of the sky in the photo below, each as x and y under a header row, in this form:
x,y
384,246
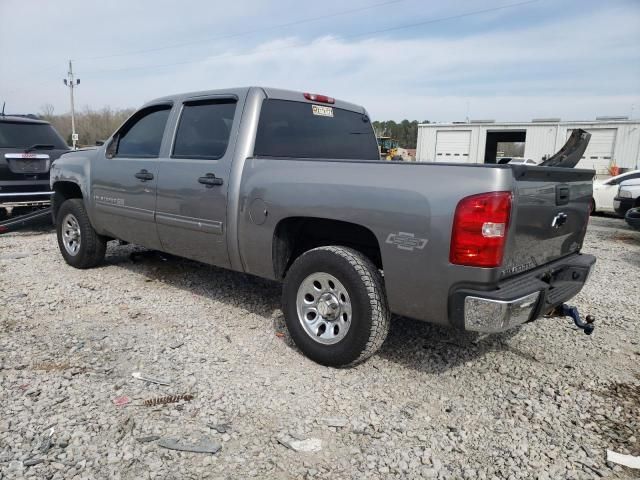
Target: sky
x,y
508,60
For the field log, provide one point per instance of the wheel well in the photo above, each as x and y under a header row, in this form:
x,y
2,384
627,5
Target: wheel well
x,y
294,236
637,202
63,191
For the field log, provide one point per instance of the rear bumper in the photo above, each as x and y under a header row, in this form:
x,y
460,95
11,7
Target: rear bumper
x,y
520,299
24,199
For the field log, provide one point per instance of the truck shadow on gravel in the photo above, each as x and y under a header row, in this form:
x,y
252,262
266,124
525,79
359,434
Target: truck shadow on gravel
x,y
411,343
433,349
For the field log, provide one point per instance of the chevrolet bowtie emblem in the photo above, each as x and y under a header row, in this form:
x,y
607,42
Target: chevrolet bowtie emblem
x,y
406,241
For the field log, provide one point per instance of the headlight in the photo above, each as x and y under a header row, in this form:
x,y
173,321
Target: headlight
x,y
624,194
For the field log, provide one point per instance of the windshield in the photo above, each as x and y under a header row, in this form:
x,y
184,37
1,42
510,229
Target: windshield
x,y
387,143
305,130
24,135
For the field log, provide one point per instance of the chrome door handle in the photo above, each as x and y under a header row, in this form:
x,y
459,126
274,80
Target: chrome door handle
x,y
144,175
210,180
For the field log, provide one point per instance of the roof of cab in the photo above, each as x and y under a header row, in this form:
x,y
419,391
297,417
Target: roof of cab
x,y
275,93
21,119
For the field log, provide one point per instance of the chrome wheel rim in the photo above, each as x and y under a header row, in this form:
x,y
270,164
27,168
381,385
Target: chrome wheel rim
x,y
324,308
71,234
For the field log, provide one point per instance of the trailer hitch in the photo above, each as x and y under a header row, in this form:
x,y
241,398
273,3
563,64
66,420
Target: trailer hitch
x,y
565,310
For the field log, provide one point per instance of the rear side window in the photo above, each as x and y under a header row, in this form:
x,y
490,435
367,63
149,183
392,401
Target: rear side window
x,y
143,136
204,129
304,130
25,135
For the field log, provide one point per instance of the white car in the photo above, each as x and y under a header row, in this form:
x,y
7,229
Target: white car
x,y
522,161
604,191
628,196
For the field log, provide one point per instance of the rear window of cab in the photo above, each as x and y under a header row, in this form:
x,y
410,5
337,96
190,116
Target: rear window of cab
x,y
307,130
25,135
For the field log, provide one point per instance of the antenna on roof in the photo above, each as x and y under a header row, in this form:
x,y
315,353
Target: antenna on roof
x,y
3,104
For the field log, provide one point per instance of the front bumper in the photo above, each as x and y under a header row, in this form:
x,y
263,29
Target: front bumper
x,y
522,298
622,204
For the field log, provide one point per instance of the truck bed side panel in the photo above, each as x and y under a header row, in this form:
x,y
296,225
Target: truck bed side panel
x,y
392,200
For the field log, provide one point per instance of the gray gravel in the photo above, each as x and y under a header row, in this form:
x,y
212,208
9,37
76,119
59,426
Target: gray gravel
x,y
543,402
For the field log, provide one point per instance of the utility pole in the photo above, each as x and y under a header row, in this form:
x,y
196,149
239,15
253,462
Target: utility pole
x,y
71,83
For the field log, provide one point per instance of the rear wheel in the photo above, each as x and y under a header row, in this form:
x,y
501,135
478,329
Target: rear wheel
x,y
335,306
80,245
592,207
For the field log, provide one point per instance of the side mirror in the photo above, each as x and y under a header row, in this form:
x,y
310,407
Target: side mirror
x,y
112,148
99,143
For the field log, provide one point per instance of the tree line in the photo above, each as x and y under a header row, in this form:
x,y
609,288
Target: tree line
x,y
405,132
91,125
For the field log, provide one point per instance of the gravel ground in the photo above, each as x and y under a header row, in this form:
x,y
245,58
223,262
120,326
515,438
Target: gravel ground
x,y
543,402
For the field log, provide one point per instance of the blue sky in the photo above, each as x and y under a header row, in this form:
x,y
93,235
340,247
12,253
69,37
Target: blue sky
x,y
416,59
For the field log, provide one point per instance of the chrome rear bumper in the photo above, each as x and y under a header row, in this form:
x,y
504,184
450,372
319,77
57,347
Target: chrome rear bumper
x,y
11,200
521,298
492,316
25,194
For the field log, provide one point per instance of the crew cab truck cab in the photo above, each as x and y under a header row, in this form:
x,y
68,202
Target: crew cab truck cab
x,y
289,186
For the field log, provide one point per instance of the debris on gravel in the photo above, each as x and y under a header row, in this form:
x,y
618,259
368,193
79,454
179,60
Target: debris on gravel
x,y
202,446
300,445
544,401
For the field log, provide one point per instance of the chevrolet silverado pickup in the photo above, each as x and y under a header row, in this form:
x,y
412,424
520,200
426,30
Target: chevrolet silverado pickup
x,y
289,186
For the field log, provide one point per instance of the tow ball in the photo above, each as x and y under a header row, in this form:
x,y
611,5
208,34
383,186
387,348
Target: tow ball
x,y
586,325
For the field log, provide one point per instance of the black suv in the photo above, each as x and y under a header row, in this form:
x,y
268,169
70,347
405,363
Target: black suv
x,y
28,146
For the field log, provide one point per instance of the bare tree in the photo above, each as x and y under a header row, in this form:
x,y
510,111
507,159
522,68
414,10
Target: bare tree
x,y
91,125
47,111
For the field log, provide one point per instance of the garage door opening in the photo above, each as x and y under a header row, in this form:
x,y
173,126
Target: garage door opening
x,y
505,142
599,153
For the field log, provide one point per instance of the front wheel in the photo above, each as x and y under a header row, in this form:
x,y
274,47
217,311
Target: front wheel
x,y
335,306
80,245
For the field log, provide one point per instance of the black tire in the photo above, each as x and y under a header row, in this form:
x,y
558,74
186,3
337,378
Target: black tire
x,y
592,207
633,218
92,246
370,317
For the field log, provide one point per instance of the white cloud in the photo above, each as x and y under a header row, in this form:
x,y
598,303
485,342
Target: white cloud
x,y
572,69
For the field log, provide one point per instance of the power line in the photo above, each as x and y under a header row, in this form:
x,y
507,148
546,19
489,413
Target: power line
x,y
248,32
344,37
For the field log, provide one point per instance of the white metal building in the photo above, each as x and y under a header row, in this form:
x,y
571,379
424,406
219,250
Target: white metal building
x,y
614,140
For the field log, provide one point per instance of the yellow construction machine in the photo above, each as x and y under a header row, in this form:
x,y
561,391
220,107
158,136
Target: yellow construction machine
x,y
388,148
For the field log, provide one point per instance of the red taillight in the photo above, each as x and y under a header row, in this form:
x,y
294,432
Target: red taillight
x,y
314,97
480,229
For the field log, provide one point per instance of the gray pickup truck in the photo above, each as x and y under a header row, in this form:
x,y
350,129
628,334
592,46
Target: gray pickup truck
x,y
289,186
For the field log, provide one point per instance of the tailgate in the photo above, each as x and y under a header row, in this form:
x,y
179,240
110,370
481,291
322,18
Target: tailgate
x,y
549,217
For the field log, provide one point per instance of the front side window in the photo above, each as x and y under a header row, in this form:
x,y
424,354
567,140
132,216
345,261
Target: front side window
x,y
305,130
142,137
204,129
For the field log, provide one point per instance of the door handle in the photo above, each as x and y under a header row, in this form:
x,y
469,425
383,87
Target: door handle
x,y
144,175
210,180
